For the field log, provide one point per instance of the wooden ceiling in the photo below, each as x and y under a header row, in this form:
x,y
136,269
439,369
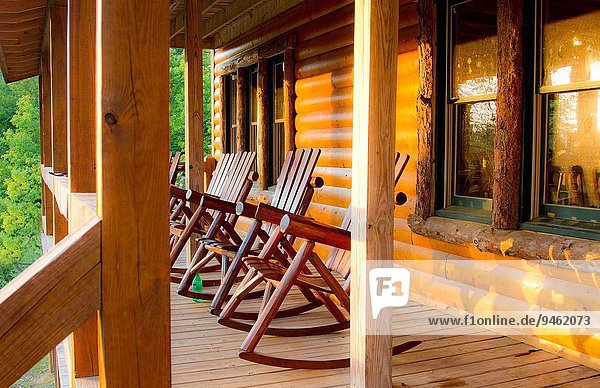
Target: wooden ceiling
x,y
23,22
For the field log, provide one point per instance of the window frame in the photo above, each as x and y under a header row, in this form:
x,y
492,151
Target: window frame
x,y
551,218
230,133
274,123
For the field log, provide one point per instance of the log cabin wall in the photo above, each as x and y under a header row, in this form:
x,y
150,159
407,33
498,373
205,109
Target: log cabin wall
x,y
324,80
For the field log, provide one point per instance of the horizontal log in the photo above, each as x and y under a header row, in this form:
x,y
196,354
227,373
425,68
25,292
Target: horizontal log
x,y
521,244
329,22
332,215
49,300
445,294
319,101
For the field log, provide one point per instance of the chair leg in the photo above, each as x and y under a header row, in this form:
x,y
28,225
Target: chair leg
x,y
193,268
268,314
234,268
250,282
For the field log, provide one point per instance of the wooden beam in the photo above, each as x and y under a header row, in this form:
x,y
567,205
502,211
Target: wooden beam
x,y
425,111
375,53
242,105
49,300
194,112
132,86
262,136
229,14
289,97
509,128
194,106
81,96
81,140
58,74
46,138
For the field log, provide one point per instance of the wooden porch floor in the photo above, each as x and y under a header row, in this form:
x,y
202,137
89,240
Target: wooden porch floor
x,y
203,352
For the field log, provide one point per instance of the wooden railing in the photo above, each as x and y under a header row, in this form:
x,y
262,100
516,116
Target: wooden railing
x,y
49,300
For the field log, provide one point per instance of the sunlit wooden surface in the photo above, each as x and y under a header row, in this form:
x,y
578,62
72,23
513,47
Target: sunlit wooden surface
x,y
203,352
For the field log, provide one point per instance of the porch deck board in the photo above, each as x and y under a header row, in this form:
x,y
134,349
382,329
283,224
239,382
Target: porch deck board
x,y
205,352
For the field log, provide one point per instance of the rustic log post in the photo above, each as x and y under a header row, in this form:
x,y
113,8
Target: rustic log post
x,y
194,112
81,142
508,138
375,53
132,83
262,138
218,146
289,97
58,76
425,115
242,106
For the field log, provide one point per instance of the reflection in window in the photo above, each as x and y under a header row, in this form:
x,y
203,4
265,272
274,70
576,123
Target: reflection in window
x,y
475,151
571,60
475,49
253,102
231,113
474,77
277,149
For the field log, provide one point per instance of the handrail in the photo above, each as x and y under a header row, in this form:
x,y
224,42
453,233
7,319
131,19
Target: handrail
x,y
49,300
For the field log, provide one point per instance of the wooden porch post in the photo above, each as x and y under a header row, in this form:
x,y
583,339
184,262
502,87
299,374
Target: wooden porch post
x,y
58,77
81,140
509,129
194,104
290,99
132,123
58,101
46,136
375,60
262,136
194,113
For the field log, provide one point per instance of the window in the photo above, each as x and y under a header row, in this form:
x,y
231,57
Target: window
x,y
230,140
470,101
252,135
561,192
277,130
569,92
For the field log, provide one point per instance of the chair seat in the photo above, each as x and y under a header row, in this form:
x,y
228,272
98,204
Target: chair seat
x,y
274,272
225,249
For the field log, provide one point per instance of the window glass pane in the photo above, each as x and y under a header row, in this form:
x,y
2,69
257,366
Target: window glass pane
x,y
573,156
475,149
278,91
475,48
254,96
571,42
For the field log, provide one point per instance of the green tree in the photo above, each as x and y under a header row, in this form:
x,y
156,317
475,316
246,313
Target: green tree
x,y
177,100
20,186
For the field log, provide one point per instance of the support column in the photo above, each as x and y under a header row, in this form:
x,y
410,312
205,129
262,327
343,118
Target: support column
x,y
81,140
132,83
375,61
289,96
194,104
262,137
425,111
194,113
58,76
509,128
46,138
242,106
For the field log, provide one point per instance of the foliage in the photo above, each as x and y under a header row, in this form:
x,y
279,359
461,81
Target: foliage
x,y
20,186
177,100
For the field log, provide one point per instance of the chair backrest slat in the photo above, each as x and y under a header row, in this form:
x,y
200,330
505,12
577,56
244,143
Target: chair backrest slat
x,y
338,259
293,182
214,188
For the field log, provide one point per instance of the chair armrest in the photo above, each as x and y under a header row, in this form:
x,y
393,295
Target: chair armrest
x,y
309,229
196,197
245,209
210,202
178,192
268,213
